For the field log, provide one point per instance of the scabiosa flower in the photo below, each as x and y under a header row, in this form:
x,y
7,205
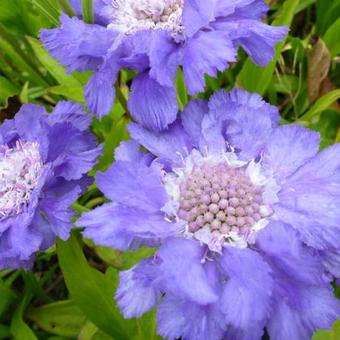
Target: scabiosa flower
x,y
43,159
245,214
155,37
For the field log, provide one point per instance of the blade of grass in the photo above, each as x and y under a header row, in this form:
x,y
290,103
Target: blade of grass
x,y
67,8
87,6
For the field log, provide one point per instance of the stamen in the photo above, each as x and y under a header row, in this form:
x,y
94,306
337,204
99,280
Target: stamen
x,y
20,169
129,16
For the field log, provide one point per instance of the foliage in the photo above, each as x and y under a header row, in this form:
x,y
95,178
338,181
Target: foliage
x,y
69,293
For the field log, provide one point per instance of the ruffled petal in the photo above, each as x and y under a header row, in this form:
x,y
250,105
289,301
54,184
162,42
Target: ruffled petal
x,y
261,40
129,151
197,14
55,206
151,104
133,184
310,200
182,271
283,249
164,58
191,118
78,45
19,242
121,227
254,9
170,146
255,37
315,308
7,131
137,293
288,148
179,318
242,119
70,112
100,90
29,122
206,53
246,297
72,152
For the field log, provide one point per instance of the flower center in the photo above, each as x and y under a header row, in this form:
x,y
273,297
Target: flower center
x,y
20,169
129,16
221,199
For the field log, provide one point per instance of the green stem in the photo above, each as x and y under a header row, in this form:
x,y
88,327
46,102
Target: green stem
x,y
67,8
121,98
87,6
95,201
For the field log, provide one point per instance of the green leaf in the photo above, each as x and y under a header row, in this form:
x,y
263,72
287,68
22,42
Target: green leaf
x,y
91,332
52,65
320,105
20,63
88,11
7,90
49,9
71,93
327,12
328,126
181,89
92,291
19,329
5,332
334,334
60,318
7,297
67,8
331,38
256,79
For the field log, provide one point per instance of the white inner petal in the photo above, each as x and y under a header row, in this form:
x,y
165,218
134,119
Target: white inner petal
x,y
20,169
129,16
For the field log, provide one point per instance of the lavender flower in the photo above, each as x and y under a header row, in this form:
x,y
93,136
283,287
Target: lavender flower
x,y
43,159
155,37
245,214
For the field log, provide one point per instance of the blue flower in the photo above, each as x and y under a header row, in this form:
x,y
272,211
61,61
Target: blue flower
x,y
43,160
245,215
155,38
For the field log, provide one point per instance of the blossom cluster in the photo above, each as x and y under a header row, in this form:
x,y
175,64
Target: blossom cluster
x,y
243,212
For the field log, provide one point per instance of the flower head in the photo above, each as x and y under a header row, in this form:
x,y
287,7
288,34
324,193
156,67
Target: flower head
x,y
244,213
155,37
43,159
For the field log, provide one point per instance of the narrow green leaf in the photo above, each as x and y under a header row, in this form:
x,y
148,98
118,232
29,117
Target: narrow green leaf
x,y
71,93
320,105
7,297
88,11
331,38
61,318
19,329
181,89
7,49
92,291
67,8
48,9
255,78
52,65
